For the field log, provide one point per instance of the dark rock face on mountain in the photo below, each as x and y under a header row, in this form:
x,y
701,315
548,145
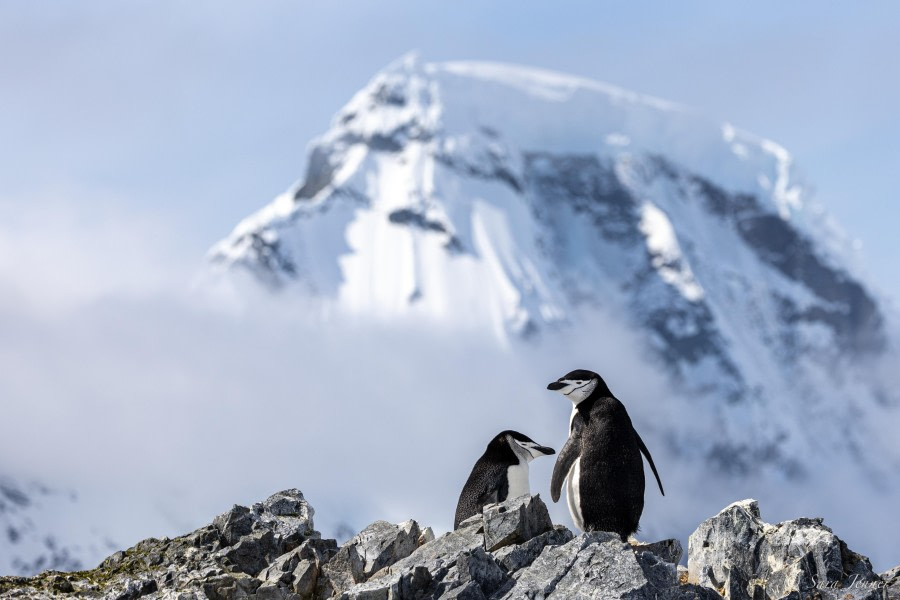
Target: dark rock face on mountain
x,y
271,551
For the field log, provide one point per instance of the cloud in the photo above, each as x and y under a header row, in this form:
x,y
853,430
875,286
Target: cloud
x,y
162,408
64,248
127,387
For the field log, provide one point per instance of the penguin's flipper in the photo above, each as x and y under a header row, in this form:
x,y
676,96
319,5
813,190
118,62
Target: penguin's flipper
x,y
567,457
649,460
494,493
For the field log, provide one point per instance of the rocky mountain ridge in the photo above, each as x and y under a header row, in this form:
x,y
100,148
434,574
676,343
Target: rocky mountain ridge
x,y
271,551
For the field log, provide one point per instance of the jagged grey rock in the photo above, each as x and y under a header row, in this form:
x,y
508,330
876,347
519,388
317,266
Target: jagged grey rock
x,y
514,521
298,570
724,542
669,550
745,558
519,556
280,570
604,568
219,561
377,546
426,536
891,579
270,551
660,573
688,591
539,580
469,591
479,567
286,514
417,572
253,552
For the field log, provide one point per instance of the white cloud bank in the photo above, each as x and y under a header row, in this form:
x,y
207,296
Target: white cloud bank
x,y
162,410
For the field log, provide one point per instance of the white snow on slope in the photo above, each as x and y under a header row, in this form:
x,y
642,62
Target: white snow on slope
x,y
667,257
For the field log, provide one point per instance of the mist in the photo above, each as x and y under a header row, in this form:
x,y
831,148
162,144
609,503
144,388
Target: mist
x,y
162,404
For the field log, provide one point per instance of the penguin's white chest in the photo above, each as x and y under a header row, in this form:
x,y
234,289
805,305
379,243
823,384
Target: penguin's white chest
x,y
573,494
517,478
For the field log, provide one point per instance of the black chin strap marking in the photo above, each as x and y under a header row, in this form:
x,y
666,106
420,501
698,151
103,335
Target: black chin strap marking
x,y
578,388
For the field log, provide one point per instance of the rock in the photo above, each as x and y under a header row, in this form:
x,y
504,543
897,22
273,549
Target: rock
x,y
743,558
289,516
229,587
469,591
737,586
422,569
668,550
135,588
427,536
299,569
891,580
270,551
540,579
244,552
274,591
61,584
252,552
605,568
514,521
379,545
343,570
688,591
479,567
891,576
798,576
280,570
234,524
519,556
313,555
729,538
286,514
382,544
659,573
474,520
801,545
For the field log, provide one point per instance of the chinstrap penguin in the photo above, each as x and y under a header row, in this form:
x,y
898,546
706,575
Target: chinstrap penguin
x,y
500,473
601,459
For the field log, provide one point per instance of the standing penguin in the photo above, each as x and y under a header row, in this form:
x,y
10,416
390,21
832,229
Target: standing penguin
x,y
500,473
601,459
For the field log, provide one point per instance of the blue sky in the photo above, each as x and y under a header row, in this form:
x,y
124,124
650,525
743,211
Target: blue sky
x,y
192,115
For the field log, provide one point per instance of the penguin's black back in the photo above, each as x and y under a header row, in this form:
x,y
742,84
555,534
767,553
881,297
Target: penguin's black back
x,y
487,483
611,483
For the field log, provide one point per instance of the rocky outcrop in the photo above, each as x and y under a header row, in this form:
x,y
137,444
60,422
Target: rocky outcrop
x,y
745,558
512,550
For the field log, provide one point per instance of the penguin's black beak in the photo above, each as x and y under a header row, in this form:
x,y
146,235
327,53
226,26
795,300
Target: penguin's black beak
x,y
545,450
556,385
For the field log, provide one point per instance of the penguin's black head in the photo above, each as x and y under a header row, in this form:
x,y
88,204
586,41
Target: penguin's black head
x,y
577,385
521,445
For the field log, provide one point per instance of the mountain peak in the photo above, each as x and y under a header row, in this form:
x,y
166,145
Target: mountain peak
x,y
509,199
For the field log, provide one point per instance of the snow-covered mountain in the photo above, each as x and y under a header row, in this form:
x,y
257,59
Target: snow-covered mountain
x,y
574,222
38,530
492,196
